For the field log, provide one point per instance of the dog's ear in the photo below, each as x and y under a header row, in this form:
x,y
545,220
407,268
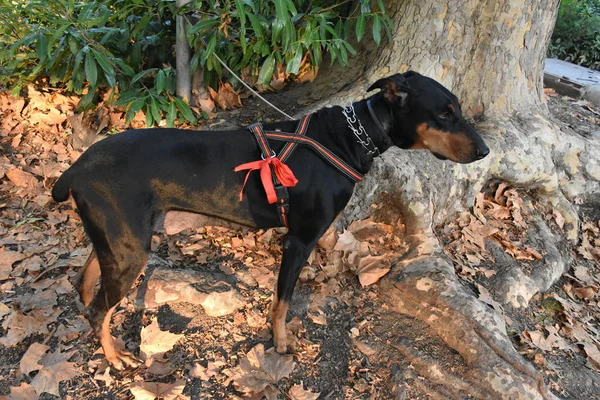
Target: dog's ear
x,y
393,88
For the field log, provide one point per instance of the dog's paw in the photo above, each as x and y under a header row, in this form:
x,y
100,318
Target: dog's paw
x,y
123,359
281,348
287,345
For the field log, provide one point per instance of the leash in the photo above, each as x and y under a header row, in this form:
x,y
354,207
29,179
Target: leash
x,y
240,79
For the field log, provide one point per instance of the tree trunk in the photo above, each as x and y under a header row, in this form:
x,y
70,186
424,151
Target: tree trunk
x,y
182,58
490,53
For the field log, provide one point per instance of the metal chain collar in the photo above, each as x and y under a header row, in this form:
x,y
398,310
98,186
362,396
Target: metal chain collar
x,y
361,134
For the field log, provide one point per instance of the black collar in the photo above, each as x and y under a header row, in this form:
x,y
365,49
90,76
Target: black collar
x,y
375,119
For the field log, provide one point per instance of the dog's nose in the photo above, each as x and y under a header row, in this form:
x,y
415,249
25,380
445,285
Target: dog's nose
x,y
481,152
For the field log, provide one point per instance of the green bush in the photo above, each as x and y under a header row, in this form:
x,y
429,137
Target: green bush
x,y
126,46
576,36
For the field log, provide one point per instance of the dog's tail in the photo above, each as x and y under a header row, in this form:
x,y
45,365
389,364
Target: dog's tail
x,y
62,187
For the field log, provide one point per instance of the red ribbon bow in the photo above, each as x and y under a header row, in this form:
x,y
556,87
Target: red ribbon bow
x,y
284,175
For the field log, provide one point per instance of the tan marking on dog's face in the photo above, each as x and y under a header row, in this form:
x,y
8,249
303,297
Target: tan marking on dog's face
x,y
454,146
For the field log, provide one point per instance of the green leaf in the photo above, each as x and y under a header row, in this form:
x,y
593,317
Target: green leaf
x,y
256,27
16,91
186,111
86,101
91,71
317,55
210,48
343,56
293,65
377,29
134,108
73,44
155,110
266,71
126,69
194,62
41,47
128,97
104,62
239,6
59,32
141,74
204,25
159,81
281,10
149,121
360,27
349,47
171,115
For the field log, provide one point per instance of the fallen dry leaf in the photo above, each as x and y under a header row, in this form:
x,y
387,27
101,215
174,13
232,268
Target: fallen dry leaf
x,y
260,369
207,105
593,354
329,239
346,242
29,361
155,341
55,370
21,178
226,98
319,318
103,373
372,268
20,325
7,259
583,274
367,229
298,393
4,310
538,340
22,392
205,373
263,276
255,318
157,390
486,297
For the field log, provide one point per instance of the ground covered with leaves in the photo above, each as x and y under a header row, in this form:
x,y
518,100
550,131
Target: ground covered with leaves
x,y
199,316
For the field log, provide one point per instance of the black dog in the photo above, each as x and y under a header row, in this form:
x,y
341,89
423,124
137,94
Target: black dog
x,y
123,183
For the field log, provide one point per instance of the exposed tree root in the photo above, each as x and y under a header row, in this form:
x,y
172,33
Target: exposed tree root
x,y
559,170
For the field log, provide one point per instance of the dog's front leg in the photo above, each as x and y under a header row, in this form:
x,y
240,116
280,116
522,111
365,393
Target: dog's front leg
x,y
295,253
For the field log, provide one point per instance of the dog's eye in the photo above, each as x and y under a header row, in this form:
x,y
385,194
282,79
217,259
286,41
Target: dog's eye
x,y
445,115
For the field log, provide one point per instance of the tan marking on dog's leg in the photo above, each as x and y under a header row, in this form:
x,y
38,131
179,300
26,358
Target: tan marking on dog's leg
x,y
278,317
117,358
86,279
274,302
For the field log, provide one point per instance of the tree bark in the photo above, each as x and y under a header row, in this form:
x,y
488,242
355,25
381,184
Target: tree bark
x,y
182,58
490,53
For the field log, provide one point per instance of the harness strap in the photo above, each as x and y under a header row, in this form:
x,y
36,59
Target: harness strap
x,y
275,175
321,150
289,147
257,129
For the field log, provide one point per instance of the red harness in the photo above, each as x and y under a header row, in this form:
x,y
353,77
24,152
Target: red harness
x,y
275,175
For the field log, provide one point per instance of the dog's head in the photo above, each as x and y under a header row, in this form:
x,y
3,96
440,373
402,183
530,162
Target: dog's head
x,y
426,115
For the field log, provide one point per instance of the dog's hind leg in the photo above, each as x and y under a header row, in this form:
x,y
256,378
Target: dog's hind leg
x,y
122,250
86,279
117,279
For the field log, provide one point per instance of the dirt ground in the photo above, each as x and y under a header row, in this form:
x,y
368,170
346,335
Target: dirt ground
x,y
348,346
